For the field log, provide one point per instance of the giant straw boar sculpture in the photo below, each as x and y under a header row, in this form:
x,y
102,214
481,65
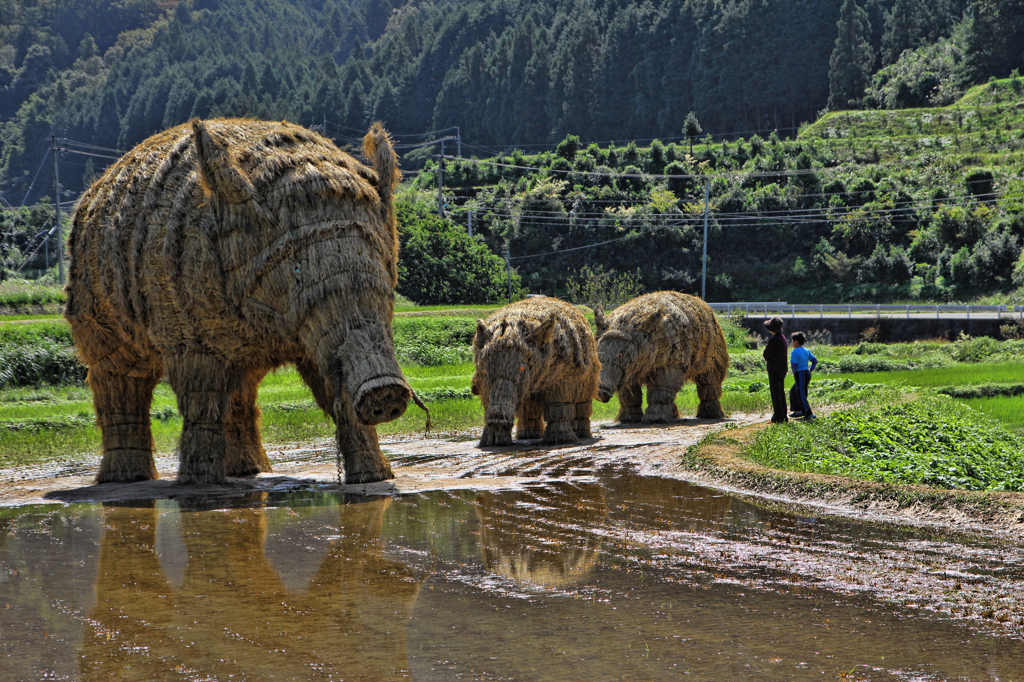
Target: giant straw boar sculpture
x,y
661,340
216,251
536,360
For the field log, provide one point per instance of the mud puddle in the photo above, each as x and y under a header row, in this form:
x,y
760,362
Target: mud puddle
x,y
603,573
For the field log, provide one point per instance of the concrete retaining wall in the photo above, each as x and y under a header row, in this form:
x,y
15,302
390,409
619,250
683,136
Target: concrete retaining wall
x,y
890,329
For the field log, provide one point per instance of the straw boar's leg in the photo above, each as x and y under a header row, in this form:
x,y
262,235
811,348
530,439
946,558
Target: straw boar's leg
x,y
560,414
204,385
499,403
661,396
710,406
630,404
122,411
357,443
709,391
531,419
581,424
245,455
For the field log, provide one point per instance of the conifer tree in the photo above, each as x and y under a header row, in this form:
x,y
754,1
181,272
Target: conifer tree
x,y
904,24
852,59
691,128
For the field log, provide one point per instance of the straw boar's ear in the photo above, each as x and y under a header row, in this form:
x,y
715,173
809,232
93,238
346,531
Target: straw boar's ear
x,y
600,320
222,178
542,334
482,336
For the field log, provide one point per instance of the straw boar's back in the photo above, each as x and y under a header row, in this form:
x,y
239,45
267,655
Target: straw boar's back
x,y
216,251
536,360
661,340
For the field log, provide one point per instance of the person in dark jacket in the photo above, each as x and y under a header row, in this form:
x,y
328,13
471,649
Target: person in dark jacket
x,y
776,356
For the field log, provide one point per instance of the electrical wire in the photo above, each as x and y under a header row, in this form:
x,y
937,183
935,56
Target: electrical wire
x,y
36,176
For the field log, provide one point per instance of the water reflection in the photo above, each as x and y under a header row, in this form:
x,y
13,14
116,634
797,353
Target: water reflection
x,y
233,614
612,577
543,535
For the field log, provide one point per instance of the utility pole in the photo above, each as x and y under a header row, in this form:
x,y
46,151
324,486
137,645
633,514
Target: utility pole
x,y
508,261
470,223
458,140
704,276
56,206
440,182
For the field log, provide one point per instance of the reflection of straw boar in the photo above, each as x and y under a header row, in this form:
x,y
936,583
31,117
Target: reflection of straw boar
x,y
662,340
233,614
216,252
556,548
535,360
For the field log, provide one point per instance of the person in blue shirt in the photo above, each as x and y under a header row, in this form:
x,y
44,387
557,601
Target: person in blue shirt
x,y
803,363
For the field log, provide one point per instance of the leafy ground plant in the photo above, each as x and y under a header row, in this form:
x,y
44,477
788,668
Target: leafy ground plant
x,y
934,441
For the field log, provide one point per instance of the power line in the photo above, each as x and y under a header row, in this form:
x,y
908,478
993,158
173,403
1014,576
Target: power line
x,y
36,176
86,145
670,139
656,176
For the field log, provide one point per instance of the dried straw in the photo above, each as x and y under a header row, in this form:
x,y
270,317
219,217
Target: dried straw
x,y
216,251
536,360
661,340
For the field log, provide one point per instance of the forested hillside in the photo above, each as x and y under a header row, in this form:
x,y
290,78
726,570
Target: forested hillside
x,y
509,73
528,75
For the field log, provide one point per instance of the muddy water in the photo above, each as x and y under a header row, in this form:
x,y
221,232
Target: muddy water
x,y
608,577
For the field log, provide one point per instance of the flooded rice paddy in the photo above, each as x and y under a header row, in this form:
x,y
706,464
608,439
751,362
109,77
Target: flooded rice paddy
x,y
610,576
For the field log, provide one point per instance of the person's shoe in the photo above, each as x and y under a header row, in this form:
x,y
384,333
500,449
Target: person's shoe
x,y
808,418
796,414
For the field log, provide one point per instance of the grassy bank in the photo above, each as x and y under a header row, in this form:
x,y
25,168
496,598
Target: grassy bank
x,y
934,441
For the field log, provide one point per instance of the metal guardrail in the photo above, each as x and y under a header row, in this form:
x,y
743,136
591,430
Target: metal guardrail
x,y
784,309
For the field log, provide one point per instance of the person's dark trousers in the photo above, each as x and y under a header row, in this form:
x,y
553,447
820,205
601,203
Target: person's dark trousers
x,y
802,380
777,387
794,399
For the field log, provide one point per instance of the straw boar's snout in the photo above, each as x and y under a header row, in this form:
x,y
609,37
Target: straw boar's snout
x,y
384,403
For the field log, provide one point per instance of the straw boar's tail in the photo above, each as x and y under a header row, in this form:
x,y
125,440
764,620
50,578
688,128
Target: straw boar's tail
x,y
378,151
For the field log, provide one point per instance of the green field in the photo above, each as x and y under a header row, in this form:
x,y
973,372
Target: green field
x,y
1009,410
46,412
980,373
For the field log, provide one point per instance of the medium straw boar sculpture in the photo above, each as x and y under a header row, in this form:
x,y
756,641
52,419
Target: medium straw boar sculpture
x,y
661,340
216,251
536,360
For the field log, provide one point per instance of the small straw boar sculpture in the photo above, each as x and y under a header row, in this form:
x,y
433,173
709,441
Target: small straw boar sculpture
x,y
536,360
661,340
217,251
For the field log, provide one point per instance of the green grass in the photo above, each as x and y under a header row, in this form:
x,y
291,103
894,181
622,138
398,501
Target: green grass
x,y
935,441
956,380
980,373
28,317
1005,409
467,310
20,292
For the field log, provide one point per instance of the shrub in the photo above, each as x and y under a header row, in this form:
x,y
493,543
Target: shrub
x,y
595,286
568,147
440,263
432,341
44,362
968,349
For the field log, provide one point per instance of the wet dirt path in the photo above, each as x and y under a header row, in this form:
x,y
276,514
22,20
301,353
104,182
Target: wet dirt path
x,y
613,536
